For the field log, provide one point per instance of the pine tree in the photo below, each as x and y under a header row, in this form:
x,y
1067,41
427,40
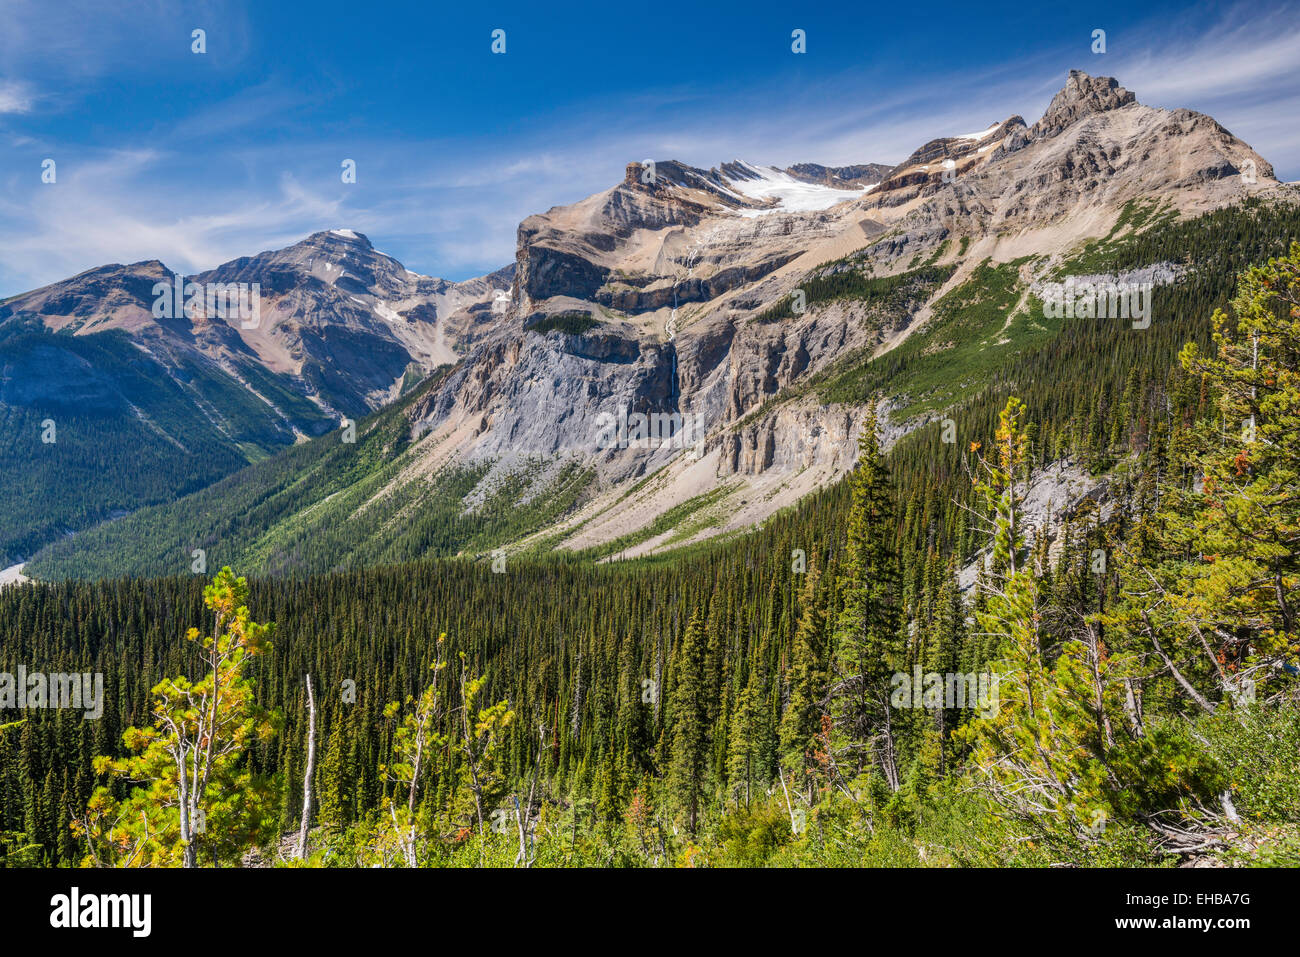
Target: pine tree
x,y
801,721
1060,748
869,648
1228,608
196,791
749,741
690,737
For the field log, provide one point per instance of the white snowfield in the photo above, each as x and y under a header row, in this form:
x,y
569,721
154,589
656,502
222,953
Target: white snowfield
x,y
381,309
384,311
792,195
345,233
977,136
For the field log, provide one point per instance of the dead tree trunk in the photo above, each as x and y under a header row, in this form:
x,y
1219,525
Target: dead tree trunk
x,y
307,775
523,818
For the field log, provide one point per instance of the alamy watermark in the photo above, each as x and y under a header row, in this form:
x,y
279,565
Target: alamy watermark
x,y
75,909
215,300
1087,299
654,430
83,692
976,691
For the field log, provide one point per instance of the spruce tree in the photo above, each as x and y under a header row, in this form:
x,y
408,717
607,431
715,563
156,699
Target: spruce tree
x,y
690,737
869,648
749,741
801,721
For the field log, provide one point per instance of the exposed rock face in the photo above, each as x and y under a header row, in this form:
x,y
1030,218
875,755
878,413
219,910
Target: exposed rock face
x,y
670,268
862,174
113,296
1053,493
792,439
941,161
1081,95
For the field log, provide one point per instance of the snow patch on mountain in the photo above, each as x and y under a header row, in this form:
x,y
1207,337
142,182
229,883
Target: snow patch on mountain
x,y
791,195
384,311
978,136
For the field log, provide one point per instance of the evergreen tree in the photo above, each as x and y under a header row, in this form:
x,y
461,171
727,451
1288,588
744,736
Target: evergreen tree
x,y
801,721
196,793
336,779
690,738
869,648
749,742
1220,610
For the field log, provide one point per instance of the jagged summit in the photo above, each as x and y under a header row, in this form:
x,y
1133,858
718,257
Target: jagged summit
x,y
752,189
1081,96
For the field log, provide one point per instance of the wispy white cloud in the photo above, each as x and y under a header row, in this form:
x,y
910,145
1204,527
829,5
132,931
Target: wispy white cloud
x,y
1239,64
15,97
112,209
451,206
1242,53
78,40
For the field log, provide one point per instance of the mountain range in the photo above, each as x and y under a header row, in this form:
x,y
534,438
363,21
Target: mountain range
x,y
670,360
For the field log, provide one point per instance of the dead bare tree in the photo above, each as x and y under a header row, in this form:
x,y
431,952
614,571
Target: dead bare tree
x,y
307,775
523,817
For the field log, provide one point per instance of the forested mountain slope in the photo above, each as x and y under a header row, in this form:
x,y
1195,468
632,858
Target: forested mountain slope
x,y
679,356
329,504
741,703
130,366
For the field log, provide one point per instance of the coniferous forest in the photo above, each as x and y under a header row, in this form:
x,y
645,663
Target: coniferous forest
x,y
464,466
904,669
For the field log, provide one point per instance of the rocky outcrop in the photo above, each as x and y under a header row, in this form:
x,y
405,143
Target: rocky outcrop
x,y
675,263
623,295
1081,96
862,174
941,161
545,271
793,438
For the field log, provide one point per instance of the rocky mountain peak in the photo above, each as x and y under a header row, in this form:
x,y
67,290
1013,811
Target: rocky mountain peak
x,y
346,236
1081,96
861,174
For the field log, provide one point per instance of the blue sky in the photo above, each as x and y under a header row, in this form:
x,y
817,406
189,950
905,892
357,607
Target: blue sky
x,y
196,159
